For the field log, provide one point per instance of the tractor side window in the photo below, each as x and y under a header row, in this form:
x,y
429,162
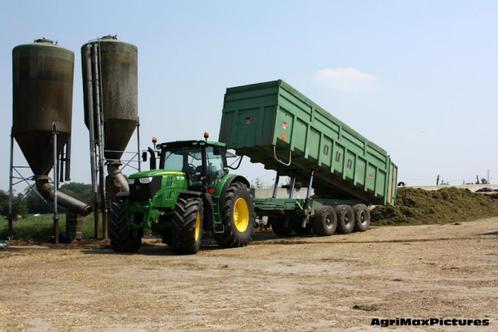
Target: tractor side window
x,y
194,164
215,166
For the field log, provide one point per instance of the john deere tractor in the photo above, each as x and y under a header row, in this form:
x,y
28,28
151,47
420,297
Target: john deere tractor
x,y
190,194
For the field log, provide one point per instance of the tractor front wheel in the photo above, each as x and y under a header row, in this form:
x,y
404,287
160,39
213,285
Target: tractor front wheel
x,y
237,215
123,238
186,233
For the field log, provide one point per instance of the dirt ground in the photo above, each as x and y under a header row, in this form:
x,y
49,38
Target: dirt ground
x,y
297,284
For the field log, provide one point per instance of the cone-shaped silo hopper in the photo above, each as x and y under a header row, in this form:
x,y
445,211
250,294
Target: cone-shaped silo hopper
x,y
42,97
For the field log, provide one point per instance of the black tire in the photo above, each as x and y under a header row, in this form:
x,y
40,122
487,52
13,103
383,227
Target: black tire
x,y
325,221
281,225
362,217
187,221
345,219
167,237
123,239
298,222
237,215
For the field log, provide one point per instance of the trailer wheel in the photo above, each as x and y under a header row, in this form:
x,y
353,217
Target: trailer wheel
x,y
186,233
325,221
362,217
345,219
123,239
282,226
308,230
237,215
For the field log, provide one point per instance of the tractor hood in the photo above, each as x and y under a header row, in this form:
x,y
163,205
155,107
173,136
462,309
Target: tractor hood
x,y
156,184
155,172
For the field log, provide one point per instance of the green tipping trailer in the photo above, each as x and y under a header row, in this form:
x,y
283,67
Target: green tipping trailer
x,y
274,124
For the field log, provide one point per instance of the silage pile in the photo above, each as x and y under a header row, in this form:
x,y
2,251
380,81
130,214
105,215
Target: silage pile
x,y
418,206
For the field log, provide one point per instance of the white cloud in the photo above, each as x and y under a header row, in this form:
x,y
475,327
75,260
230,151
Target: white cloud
x,y
345,79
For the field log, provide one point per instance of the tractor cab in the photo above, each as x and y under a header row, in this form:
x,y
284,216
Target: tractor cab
x,y
204,163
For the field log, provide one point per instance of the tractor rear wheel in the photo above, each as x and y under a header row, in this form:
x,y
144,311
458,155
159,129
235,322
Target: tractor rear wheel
x,y
123,239
325,221
345,219
282,225
186,234
362,216
237,215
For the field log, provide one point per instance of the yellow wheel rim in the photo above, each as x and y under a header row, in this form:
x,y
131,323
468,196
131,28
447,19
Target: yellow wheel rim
x,y
241,214
197,230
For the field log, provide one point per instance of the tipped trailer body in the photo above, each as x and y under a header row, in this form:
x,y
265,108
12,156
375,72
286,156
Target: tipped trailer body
x,y
274,124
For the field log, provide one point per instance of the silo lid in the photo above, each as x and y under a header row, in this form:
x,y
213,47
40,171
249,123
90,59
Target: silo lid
x,y
109,37
43,41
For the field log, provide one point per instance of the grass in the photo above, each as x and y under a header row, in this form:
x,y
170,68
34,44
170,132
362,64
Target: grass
x,y
39,229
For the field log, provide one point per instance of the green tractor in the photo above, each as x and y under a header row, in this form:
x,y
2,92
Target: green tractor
x,y
189,195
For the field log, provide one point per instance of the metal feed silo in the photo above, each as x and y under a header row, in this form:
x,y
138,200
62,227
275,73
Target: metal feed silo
x,y
115,71
42,97
110,84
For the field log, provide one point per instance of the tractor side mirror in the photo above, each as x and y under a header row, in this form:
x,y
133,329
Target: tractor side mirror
x,y
144,156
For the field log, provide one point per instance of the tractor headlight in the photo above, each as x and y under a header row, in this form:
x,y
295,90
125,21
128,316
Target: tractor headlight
x,y
131,181
145,180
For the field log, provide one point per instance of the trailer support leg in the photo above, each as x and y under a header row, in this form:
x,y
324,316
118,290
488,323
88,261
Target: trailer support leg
x,y
310,185
292,185
308,195
275,186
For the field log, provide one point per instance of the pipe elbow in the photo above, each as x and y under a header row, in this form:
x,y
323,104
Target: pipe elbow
x,y
64,200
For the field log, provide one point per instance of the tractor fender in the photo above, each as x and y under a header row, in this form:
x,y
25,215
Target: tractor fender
x,y
230,179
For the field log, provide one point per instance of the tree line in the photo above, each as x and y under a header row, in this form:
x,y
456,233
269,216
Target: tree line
x,y
30,202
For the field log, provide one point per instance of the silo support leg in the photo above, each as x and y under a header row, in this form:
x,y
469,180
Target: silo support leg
x,y
96,221
56,185
11,192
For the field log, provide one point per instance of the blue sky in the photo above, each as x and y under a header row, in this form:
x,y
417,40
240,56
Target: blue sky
x,y
419,78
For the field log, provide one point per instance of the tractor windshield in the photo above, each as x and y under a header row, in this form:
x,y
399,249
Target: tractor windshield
x,y
184,159
188,159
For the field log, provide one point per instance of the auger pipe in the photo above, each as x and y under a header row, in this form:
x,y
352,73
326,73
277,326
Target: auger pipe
x,y
64,200
120,182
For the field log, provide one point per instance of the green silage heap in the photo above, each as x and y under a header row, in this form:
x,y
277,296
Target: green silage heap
x,y
446,205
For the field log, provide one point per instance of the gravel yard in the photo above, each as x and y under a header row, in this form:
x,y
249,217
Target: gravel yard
x,y
300,283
